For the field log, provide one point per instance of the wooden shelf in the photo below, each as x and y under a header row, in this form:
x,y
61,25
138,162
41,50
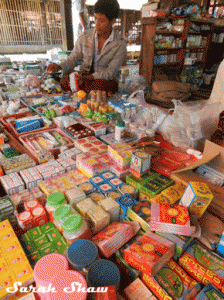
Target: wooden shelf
x,y
164,49
149,51
167,32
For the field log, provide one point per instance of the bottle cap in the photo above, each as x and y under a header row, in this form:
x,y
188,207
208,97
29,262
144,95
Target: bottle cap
x,y
72,223
55,199
62,212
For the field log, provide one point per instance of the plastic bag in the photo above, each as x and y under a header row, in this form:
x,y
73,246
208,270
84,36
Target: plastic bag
x,y
190,123
135,83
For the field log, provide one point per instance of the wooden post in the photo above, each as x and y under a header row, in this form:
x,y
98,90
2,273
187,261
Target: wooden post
x,y
66,24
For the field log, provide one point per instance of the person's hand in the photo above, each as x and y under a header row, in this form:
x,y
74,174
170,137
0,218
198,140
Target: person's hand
x,y
53,68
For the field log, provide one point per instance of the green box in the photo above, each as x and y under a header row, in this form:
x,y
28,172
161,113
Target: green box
x,y
151,188
53,235
164,181
30,247
47,249
35,233
61,246
43,240
34,258
47,227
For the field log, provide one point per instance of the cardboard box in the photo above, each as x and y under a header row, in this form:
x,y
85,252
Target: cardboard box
x,y
213,155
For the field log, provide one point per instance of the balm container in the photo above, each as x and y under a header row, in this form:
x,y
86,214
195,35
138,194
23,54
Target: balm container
x,y
69,285
54,200
81,254
46,269
59,215
75,227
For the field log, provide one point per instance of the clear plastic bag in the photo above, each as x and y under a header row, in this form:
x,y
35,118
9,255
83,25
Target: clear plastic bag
x,y
135,83
190,123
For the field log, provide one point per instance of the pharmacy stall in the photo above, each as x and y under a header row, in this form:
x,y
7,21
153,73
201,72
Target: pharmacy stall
x,y
115,195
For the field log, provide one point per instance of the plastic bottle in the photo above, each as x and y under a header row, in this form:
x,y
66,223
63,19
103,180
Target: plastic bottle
x,y
119,129
54,200
75,227
60,214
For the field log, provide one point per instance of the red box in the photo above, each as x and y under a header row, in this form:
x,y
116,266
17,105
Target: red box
x,y
39,215
29,205
25,220
149,253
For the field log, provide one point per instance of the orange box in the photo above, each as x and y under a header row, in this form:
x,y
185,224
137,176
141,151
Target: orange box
x,y
150,253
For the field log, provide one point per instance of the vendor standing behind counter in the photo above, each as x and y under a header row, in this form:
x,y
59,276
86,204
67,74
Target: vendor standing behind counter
x,y
100,51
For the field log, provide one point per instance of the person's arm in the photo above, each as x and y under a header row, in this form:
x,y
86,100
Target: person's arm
x,y
82,20
74,59
111,71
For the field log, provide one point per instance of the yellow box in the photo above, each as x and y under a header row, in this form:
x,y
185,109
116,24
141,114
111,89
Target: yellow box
x,y
24,273
4,268
5,228
197,198
5,282
12,249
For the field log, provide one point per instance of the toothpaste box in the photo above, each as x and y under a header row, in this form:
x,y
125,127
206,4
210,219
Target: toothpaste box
x,y
209,292
172,218
149,253
203,265
197,198
121,154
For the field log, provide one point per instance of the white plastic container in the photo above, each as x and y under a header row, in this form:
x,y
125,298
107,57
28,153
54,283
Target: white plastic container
x,y
119,129
75,227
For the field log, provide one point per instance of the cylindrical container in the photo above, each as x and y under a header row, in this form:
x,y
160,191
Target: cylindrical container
x,y
47,268
81,254
119,129
103,272
53,201
69,285
59,215
75,227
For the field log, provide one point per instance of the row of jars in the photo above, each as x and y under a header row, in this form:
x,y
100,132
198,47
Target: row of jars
x,y
66,219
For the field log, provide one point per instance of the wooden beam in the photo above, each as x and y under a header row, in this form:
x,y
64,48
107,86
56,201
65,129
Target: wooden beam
x,y
66,23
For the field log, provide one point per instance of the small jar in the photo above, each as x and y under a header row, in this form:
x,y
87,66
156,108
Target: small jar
x,y
59,215
81,254
75,227
54,200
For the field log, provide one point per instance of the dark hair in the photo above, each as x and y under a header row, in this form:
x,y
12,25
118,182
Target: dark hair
x,y
110,8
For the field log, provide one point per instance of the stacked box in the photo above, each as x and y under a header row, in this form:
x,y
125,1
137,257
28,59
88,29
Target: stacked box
x,y
203,265
113,237
17,163
71,153
7,210
75,196
175,281
50,169
98,218
171,194
140,163
121,154
12,183
67,163
181,242
141,213
31,177
14,264
197,198
111,207
62,183
92,165
149,253
42,240
171,218
137,290
91,145
125,201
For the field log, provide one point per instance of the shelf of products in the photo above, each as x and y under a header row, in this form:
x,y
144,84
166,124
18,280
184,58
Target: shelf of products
x,y
189,39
